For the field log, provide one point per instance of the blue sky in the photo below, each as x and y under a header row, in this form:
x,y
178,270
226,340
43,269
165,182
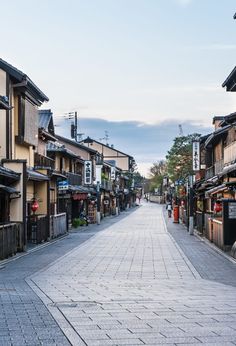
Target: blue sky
x,y
145,61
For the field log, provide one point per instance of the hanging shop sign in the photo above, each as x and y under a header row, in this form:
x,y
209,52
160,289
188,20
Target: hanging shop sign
x,y
113,173
63,185
88,172
196,156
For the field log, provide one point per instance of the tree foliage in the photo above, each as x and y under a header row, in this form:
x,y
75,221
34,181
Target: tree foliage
x,y
157,173
179,157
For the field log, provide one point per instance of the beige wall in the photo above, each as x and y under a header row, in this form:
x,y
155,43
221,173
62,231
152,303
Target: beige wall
x,y
41,147
83,153
30,191
25,153
2,117
41,195
16,206
122,161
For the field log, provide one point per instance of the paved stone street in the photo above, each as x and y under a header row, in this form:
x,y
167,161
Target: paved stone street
x,y
129,283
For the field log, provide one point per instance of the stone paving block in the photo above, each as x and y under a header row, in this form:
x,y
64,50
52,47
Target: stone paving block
x,y
129,281
170,340
218,339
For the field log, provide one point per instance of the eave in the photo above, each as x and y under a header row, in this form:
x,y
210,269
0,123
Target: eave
x,y
230,82
20,77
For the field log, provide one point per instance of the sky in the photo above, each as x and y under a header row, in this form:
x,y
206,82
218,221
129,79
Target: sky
x,y
136,68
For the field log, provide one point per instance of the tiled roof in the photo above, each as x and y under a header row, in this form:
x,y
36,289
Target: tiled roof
x,y
76,144
58,147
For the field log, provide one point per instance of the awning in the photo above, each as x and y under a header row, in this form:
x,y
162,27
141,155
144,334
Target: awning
x,y
215,136
213,179
81,189
58,175
8,189
8,173
227,169
215,190
36,176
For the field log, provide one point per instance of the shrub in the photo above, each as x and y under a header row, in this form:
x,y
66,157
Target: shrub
x,y
78,222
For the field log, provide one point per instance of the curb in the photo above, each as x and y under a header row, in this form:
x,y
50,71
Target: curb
x,y
215,248
36,248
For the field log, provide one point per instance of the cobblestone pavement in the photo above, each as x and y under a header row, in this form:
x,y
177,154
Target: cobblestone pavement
x,y
24,319
131,284
209,264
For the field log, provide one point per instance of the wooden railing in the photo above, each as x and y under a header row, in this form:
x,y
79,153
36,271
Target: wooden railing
x,y
58,225
41,161
37,226
11,239
74,179
217,233
230,153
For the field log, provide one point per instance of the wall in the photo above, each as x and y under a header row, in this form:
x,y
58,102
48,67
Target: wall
x,y
84,154
122,160
30,191
16,205
218,154
25,153
41,194
41,147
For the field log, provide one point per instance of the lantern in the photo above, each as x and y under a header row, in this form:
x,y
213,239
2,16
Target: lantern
x,y
34,206
217,207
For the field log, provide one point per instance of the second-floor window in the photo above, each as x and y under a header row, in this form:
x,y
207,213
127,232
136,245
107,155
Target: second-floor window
x,y
61,167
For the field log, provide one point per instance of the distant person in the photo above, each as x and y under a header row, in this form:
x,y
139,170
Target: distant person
x,y
169,209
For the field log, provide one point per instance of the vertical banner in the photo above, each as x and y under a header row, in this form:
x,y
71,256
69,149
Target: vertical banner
x,y
113,173
196,156
99,174
88,172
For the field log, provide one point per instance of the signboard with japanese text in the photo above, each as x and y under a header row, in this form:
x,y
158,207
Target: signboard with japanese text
x,y
63,185
232,210
113,173
88,172
196,156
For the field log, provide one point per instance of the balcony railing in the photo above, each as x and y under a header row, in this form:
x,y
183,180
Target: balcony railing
x,y
219,165
41,161
209,173
230,153
74,179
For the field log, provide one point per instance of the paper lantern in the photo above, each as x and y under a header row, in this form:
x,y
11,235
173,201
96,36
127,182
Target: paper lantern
x,y
34,206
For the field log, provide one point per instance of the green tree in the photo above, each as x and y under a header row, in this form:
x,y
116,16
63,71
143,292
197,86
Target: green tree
x,y
179,157
157,173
